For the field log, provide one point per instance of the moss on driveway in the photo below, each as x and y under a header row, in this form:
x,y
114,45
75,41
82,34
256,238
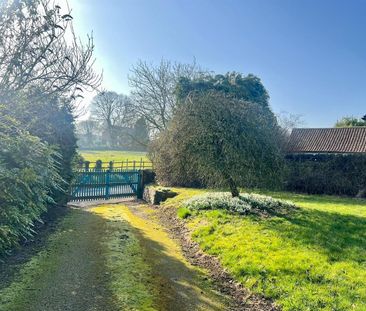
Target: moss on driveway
x,y
108,258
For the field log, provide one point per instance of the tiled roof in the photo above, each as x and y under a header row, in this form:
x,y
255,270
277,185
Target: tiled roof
x,y
328,140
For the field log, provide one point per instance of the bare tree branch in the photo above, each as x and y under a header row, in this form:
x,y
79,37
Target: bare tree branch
x,y
153,90
39,50
112,110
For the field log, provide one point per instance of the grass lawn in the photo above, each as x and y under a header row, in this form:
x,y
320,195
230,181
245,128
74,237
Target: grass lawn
x,y
311,259
113,155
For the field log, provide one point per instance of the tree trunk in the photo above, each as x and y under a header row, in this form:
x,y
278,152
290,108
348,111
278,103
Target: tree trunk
x,y
233,188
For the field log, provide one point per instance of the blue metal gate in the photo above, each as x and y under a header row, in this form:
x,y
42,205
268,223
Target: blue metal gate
x,y
105,184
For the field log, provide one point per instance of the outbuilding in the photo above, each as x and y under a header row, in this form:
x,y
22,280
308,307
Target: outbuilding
x,y
327,160
343,140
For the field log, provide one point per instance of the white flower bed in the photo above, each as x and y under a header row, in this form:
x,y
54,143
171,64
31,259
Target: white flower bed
x,y
243,204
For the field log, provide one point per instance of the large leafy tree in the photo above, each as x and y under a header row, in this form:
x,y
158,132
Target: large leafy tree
x,y
51,119
219,140
236,85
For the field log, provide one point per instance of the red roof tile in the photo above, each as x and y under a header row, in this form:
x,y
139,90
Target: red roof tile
x,y
328,140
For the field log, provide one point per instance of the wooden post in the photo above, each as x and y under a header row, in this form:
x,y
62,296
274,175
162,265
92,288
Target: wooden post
x,y
111,165
134,165
98,165
87,164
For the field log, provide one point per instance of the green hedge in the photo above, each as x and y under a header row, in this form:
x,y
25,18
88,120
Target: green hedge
x,y
340,174
28,175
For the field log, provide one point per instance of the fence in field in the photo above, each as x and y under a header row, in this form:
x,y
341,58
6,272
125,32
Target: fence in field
x,y
123,165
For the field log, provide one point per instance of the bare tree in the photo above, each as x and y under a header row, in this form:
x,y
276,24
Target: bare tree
x,y
87,129
287,121
153,90
39,49
113,110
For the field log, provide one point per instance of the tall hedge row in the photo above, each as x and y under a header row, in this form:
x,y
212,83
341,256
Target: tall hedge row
x,y
28,176
38,100
340,174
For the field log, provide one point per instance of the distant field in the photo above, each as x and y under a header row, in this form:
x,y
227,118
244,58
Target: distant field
x,y
113,155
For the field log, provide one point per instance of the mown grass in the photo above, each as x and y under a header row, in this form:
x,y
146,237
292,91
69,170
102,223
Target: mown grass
x,y
113,155
184,212
311,259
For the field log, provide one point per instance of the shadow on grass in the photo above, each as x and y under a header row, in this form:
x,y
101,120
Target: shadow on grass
x,y
339,236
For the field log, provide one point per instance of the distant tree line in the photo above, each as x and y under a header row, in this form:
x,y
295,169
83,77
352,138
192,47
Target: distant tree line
x,y
113,124
129,122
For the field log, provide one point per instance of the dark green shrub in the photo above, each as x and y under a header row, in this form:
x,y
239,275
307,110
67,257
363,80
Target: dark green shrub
x,y
28,174
49,118
341,174
219,141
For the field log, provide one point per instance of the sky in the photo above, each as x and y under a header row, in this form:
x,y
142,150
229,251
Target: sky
x,y
310,55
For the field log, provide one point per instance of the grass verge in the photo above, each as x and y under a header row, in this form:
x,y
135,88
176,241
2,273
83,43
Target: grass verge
x,y
184,212
313,258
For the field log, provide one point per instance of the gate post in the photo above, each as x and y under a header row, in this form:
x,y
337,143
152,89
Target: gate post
x,y
107,181
87,164
140,186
